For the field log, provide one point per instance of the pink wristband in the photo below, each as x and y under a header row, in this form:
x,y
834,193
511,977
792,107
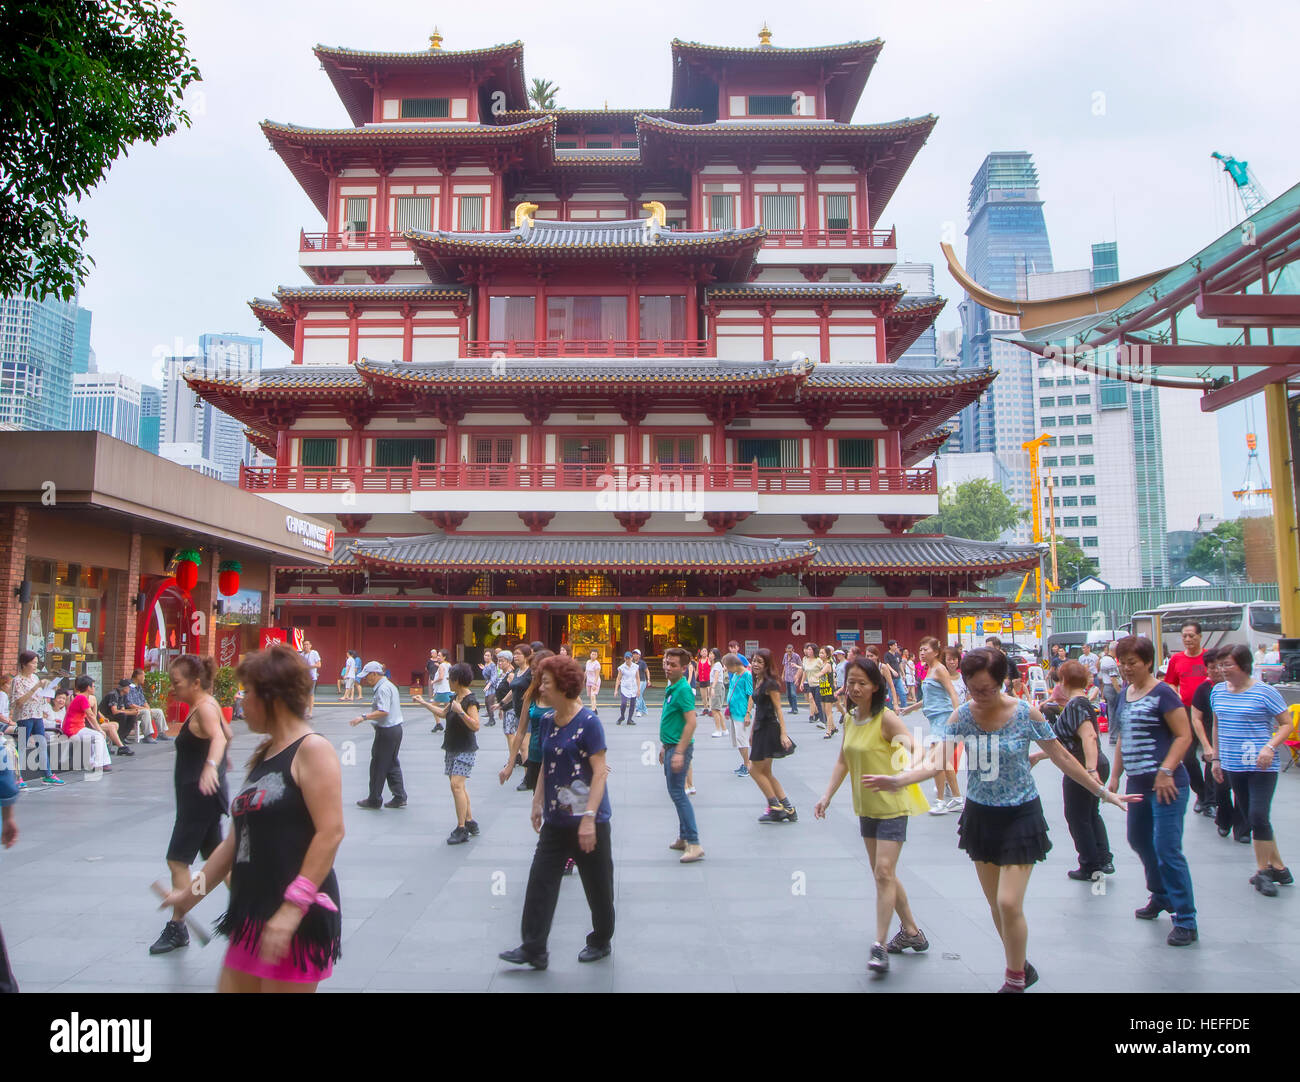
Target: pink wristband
x,y
302,894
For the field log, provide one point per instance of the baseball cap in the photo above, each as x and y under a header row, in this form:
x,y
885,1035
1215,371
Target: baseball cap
x,y
839,652
372,667
627,656
636,651
124,683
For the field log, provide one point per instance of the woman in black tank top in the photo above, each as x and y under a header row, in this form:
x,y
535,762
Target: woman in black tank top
x,y
283,917
200,778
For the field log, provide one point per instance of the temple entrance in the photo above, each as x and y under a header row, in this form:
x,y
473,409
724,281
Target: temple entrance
x,y
587,631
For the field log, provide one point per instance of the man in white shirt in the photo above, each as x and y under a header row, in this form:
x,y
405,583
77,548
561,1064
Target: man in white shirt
x,y
313,662
386,716
1089,661
629,687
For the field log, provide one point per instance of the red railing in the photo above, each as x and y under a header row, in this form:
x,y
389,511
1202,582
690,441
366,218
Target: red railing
x,y
349,242
579,477
589,347
830,238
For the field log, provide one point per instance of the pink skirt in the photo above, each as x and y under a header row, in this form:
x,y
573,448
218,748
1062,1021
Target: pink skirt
x,y
240,958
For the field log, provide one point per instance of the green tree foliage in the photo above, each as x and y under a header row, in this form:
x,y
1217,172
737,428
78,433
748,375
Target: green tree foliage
x,y
1072,564
81,81
1224,544
978,509
543,93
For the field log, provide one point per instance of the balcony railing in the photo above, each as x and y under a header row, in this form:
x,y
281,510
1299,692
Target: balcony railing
x,y
830,238
349,242
580,477
589,347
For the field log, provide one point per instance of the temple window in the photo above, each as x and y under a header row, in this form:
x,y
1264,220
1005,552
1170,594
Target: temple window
x,y
781,211
357,214
511,319
414,212
425,108
722,212
769,453
771,105
492,450
855,453
675,450
584,450
319,452
405,451
586,318
470,213
663,317
837,212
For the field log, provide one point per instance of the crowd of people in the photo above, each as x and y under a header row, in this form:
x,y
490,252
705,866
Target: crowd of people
x,y
283,918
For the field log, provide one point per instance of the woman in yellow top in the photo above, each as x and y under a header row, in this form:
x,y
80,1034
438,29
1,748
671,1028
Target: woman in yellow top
x,y
877,743
810,679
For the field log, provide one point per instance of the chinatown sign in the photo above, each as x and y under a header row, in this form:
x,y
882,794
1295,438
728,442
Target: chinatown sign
x,y
319,538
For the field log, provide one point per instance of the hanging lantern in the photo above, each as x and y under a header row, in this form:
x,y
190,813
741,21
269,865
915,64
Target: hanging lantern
x,y
228,577
187,569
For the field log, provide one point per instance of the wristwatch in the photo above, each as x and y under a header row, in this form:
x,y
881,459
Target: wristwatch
x,y
1165,771
587,813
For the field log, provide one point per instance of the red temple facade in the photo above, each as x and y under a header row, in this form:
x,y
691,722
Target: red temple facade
x,y
618,377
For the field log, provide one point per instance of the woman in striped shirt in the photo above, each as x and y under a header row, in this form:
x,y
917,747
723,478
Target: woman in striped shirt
x,y
1250,722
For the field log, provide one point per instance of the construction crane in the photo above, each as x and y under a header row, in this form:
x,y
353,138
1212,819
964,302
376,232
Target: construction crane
x,y
1249,189
1255,490
1033,447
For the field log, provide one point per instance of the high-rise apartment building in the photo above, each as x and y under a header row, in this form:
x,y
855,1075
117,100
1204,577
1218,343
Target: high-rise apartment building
x,y
918,280
107,402
43,343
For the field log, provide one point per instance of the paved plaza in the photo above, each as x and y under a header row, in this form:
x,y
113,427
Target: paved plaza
x,y
786,907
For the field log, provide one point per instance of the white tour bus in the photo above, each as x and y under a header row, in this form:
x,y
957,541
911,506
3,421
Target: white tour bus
x,y
1223,623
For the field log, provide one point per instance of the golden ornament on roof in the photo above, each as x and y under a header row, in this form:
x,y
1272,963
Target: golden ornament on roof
x,y
524,214
435,39
765,35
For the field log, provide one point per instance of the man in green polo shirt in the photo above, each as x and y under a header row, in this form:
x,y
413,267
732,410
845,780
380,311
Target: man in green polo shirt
x,y
677,735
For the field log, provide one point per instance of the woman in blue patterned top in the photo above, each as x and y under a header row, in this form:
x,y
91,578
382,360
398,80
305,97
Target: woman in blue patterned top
x,y
1251,721
571,815
1151,735
1002,827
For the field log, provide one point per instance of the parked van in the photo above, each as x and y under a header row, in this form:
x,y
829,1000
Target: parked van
x,y
1073,641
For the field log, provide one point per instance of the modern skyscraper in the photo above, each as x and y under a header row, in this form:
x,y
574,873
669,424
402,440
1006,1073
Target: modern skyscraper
x,y
193,431
106,402
1006,242
150,418
1105,264
918,280
42,342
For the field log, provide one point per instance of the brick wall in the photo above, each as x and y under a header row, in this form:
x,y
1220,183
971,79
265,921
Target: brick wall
x,y
120,629
13,566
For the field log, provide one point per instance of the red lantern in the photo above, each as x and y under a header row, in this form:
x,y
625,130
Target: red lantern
x,y
228,577
187,575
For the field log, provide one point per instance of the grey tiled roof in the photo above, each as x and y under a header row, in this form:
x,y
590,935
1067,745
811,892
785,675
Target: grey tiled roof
x,y
575,369
866,555
371,292
791,125
831,376
812,290
536,553
596,234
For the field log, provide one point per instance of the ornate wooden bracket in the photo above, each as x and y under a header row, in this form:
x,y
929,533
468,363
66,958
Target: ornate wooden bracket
x,y
449,521
354,523
536,521
821,585
632,521
814,272
722,521
381,275
819,524
899,524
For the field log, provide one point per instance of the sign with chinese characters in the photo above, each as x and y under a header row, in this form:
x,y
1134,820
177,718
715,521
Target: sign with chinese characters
x,y
83,619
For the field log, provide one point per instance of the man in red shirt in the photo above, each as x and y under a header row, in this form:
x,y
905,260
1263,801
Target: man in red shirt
x,y
1186,672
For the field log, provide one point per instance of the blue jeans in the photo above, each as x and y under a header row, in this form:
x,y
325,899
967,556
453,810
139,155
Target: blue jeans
x,y
677,790
28,728
1155,831
790,697
900,689
640,701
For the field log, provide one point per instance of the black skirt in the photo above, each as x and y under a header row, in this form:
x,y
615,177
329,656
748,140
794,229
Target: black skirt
x,y
765,743
1004,835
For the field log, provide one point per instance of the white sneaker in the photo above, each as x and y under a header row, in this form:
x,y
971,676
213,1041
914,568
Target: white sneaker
x,y
956,803
715,734
939,807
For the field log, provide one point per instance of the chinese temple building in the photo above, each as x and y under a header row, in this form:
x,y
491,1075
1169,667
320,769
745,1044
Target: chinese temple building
x,y
611,377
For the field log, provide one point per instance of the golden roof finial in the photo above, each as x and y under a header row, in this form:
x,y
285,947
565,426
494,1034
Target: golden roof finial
x,y
765,35
435,39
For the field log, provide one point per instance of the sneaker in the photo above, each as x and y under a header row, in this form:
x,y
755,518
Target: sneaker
x,y
791,816
1108,868
1182,937
692,854
396,802
902,941
1223,831
1281,876
519,958
939,807
956,803
879,959
459,836
174,936
1264,884
741,772
774,814
678,845
594,954
149,740
619,722
1241,839
1198,807
21,785
53,779
1152,909
472,827
1080,874
523,787
165,738
123,750
715,734
1211,810
631,722
1031,974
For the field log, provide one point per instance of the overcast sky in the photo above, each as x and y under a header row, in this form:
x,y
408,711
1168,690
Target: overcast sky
x,y
1120,103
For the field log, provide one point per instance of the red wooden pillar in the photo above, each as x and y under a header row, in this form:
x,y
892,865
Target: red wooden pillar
x,y
746,197
539,313
381,223
864,222
452,437
819,441
881,355
444,202
692,311
297,340
355,457
768,347
408,334
633,454
893,449
812,219
353,338
282,446
718,444
695,213
721,633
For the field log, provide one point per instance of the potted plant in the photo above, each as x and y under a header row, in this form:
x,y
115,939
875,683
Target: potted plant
x,y
157,693
225,686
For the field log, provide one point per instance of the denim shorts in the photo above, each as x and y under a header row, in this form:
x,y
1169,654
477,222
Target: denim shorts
x,y
884,830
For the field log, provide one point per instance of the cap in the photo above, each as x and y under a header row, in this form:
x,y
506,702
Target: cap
x,y
636,651
124,683
627,656
372,667
840,652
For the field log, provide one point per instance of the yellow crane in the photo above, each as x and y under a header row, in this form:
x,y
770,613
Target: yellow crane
x,y
1033,447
